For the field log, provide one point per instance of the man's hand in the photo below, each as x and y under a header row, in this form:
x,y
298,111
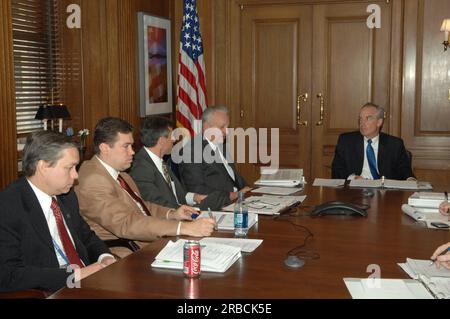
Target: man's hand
x,y
82,273
183,212
201,227
444,208
245,189
106,261
198,198
233,196
444,259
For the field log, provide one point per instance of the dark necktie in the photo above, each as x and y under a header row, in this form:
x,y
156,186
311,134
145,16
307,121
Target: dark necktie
x,y
137,198
68,246
372,160
167,176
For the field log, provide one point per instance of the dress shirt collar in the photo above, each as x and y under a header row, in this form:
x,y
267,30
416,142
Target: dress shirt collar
x,y
113,172
44,199
374,140
155,158
213,146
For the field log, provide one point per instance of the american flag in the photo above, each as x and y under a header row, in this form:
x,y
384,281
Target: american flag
x,y
192,99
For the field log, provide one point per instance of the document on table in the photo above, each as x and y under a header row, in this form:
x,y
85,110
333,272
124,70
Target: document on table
x,y
246,245
214,257
268,204
277,190
426,215
225,220
325,182
374,288
280,177
416,267
388,183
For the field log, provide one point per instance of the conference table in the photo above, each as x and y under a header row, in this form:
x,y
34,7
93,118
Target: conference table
x,y
343,246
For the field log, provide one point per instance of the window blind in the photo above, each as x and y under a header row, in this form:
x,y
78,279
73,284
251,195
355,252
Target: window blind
x,y
36,59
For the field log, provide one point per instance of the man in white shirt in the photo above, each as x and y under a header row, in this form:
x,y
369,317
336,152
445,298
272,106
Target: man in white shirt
x,y
153,176
369,153
205,168
41,230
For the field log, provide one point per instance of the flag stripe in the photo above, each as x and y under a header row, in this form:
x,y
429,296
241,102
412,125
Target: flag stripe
x,y
191,80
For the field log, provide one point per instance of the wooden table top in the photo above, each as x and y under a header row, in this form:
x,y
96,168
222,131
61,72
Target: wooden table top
x,y
346,246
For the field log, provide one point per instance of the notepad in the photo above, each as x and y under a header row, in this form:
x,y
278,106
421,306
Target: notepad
x,y
214,257
280,177
372,288
388,183
246,245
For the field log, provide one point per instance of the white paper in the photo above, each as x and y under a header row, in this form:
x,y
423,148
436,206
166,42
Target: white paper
x,y
329,182
280,177
214,257
418,267
225,220
386,289
246,245
277,190
268,204
388,183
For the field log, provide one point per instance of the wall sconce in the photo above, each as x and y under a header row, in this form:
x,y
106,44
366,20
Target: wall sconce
x,y
445,28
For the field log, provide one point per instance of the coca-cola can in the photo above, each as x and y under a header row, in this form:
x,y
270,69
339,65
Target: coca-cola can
x,y
191,259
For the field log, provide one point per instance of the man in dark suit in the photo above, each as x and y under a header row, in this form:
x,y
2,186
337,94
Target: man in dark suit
x,y
153,176
41,230
206,167
370,154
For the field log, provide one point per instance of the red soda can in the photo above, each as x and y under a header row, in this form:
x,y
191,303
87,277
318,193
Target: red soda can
x,y
191,259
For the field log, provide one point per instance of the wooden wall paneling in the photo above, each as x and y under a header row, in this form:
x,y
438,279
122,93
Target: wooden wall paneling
x,y
425,107
72,84
394,116
127,52
95,62
8,141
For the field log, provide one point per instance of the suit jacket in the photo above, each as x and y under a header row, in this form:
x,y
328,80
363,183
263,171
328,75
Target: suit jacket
x,y
152,184
207,174
27,258
392,160
111,211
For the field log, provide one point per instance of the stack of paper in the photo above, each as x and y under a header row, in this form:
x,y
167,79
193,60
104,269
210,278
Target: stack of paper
x,y
387,183
246,245
225,220
374,288
277,190
426,199
214,257
268,204
329,182
280,177
435,280
427,215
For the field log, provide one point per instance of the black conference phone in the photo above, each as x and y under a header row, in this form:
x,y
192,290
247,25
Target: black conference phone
x,y
338,208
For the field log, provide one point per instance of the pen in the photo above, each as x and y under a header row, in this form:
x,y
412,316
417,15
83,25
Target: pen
x,y
195,215
211,216
442,253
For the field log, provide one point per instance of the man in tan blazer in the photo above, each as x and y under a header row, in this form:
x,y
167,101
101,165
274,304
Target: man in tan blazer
x,y
110,200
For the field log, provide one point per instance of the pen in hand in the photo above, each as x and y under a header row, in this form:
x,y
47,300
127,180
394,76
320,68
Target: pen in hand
x,y
433,261
211,216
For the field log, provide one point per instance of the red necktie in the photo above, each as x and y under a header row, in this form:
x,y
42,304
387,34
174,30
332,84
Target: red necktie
x,y
68,246
128,189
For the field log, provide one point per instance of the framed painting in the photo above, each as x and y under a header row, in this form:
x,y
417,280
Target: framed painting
x,y
155,65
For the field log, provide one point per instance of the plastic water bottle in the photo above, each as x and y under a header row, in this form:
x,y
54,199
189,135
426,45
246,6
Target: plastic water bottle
x,y
240,217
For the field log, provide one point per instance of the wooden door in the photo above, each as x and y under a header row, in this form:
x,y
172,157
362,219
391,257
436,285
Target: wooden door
x,y
275,68
351,66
